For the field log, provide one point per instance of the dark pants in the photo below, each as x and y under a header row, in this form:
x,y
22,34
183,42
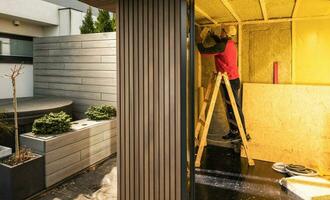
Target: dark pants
x,y
235,85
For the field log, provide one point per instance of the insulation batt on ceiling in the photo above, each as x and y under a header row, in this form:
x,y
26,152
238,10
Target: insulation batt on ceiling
x,y
249,10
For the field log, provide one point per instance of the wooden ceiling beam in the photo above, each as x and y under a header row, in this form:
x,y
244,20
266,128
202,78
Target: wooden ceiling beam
x,y
231,10
202,12
295,8
263,9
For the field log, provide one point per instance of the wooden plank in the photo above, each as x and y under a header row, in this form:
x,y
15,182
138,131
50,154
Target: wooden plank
x,y
63,59
76,38
263,9
202,12
98,44
77,73
69,149
88,152
156,102
150,67
91,66
296,8
240,44
62,163
231,10
69,138
72,169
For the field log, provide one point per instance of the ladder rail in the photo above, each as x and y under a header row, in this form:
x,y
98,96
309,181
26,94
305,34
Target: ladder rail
x,y
202,126
238,119
203,109
208,120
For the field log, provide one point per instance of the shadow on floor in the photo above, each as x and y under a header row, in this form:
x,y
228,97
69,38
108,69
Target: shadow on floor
x,y
96,184
225,175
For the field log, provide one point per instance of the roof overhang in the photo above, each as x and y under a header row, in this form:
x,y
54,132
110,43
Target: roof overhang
x,y
110,5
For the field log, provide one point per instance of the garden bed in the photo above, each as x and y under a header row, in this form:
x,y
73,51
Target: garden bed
x,y
68,153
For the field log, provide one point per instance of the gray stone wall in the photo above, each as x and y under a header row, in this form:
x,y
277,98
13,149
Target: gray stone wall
x,y
80,67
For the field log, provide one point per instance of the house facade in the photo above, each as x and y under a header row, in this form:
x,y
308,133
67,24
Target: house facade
x,y
20,22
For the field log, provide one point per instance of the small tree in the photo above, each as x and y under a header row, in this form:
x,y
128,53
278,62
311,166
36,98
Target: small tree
x,y
15,72
88,24
104,22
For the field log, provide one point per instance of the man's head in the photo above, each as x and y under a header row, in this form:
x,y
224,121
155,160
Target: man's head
x,y
228,31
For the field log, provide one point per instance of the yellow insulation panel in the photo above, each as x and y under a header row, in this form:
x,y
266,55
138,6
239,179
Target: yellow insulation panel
x,y
310,8
247,9
279,8
262,45
312,47
289,123
215,9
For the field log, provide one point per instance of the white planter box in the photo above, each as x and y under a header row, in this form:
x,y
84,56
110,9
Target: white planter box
x,y
5,151
68,153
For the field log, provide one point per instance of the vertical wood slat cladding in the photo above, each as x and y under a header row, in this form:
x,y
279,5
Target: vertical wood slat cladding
x,y
150,49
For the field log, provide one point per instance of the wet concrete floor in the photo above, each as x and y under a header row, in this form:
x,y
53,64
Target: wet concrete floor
x,y
224,175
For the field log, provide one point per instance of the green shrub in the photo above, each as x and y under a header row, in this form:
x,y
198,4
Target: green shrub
x,y
5,128
53,123
88,25
101,112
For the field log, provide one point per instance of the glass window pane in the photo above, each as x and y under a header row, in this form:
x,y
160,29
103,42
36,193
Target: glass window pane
x,y
16,47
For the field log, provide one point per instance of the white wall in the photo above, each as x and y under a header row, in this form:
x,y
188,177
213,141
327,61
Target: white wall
x,y
24,82
35,10
25,28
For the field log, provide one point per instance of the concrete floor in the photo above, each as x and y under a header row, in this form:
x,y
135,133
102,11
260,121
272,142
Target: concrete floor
x,y
95,184
225,175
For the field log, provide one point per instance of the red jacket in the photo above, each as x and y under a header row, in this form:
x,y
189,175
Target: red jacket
x,y
226,60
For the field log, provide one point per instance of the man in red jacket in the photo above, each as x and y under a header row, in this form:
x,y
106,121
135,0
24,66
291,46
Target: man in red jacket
x,y
225,57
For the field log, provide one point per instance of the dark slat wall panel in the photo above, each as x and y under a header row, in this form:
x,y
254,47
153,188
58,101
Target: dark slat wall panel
x,y
150,49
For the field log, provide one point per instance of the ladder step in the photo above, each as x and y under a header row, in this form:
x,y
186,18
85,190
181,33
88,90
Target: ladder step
x,y
228,102
201,121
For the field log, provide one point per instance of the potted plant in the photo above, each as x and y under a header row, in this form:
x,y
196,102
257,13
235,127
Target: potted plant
x,y
71,147
22,174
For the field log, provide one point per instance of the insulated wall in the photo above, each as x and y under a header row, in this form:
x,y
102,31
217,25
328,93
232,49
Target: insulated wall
x,y
263,44
152,46
311,51
289,123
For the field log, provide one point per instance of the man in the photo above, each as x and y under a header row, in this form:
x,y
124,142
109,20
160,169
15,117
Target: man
x,y
225,56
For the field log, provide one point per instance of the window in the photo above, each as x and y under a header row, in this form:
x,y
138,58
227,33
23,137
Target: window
x,y
16,49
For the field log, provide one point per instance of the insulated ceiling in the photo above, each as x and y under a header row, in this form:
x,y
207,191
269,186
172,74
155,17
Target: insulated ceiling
x,y
215,9
279,8
249,10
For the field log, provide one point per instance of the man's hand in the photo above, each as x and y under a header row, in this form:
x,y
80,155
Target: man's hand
x,y
199,38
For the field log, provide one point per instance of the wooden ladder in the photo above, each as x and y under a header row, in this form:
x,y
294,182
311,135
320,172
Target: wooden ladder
x,y
203,126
